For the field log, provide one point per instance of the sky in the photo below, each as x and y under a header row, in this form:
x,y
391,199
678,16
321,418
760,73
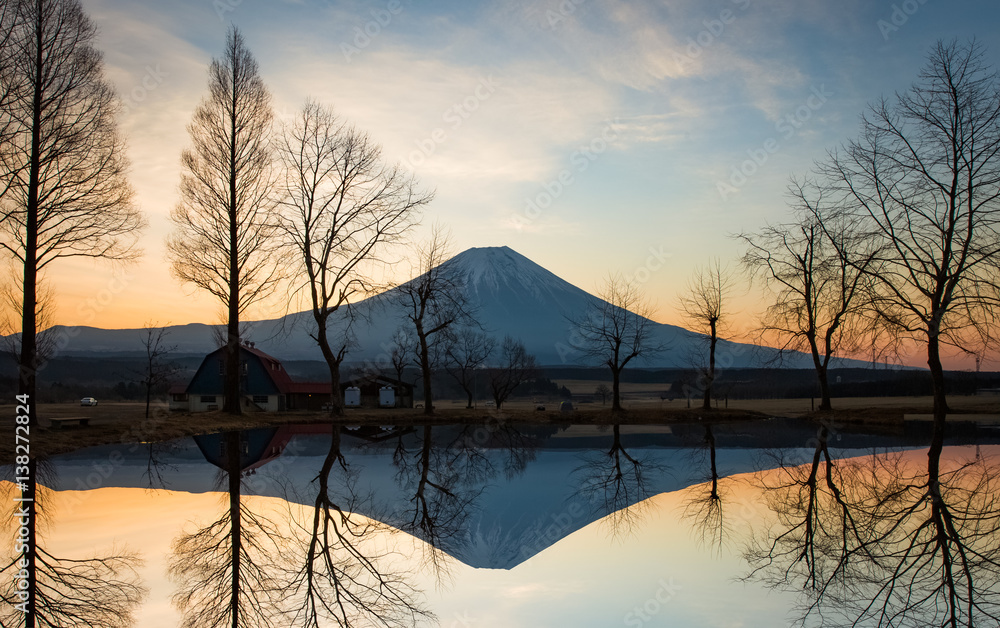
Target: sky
x,y
591,136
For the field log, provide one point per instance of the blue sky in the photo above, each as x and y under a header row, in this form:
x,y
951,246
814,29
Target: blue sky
x,y
591,136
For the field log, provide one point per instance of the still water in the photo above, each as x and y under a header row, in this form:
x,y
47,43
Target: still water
x,y
502,525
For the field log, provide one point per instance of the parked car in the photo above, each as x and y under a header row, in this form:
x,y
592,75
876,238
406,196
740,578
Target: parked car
x,y
88,401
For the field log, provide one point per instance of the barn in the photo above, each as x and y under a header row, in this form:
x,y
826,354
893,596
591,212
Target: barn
x,y
267,387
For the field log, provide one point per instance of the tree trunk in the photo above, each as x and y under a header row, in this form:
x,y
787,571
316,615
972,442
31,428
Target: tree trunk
x,y
706,403
30,553
824,388
149,394
425,370
937,380
710,441
233,402
28,366
333,363
232,440
616,403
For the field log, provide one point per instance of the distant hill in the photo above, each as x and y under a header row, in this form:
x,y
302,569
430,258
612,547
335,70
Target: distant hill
x,y
510,294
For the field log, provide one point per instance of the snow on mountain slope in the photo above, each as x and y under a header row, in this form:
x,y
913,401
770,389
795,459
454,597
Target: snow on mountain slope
x,y
509,293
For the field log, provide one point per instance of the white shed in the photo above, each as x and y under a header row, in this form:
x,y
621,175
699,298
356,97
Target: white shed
x,y
352,397
387,397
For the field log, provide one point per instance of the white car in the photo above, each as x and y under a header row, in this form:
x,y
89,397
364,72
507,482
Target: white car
x,y
88,401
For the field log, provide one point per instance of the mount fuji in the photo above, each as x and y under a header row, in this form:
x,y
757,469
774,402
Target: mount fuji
x,y
509,294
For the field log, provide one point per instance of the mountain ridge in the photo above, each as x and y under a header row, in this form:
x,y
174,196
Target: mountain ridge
x,y
510,294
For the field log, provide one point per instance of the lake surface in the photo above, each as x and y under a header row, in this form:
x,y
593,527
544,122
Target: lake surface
x,y
771,524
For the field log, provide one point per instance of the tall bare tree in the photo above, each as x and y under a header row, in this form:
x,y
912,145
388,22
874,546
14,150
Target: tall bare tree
x,y
432,302
923,178
344,206
343,579
41,589
226,224
63,186
616,329
511,368
466,352
705,307
818,270
230,571
156,368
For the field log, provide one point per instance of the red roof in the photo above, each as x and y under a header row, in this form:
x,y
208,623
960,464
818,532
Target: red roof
x,y
310,388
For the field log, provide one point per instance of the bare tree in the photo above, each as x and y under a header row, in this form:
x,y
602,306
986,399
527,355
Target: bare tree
x,y
512,367
705,307
62,160
704,506
104,590
11,297
225,224
466,352
229,571
344,206
156,369
616,329
818,271
343,577
400,353
617,483
602,391
923,178
432,302
878,541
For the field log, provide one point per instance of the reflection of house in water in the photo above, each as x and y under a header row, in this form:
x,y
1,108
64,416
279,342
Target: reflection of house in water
x,y
257,447
260,446
268,387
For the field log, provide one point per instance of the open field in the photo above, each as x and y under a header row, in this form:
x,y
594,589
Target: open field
x,y
124,422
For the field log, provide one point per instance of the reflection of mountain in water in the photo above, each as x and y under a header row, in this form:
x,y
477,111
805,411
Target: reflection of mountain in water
x,y
519,505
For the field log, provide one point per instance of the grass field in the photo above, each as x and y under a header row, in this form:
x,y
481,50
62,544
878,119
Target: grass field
x,y
124,422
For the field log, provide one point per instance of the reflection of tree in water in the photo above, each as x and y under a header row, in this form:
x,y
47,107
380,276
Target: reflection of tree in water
x,y
615,482
228,571
704,505
342,579
883,540
101,591
447,478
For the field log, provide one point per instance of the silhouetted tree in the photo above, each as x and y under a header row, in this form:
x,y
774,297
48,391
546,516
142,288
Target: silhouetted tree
x,y
878,541
705,307
433,302
63,186
467,351
602,391
615,481
817,269
101,591
229,571
704,505
225,224
344,578
616,329
156,369
344,206
511,368
923,180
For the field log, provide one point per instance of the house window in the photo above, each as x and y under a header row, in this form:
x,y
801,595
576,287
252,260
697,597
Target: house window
x,y
208,398
260,398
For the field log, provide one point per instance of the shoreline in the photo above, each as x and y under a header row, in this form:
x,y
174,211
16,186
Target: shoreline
x,y
119,423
